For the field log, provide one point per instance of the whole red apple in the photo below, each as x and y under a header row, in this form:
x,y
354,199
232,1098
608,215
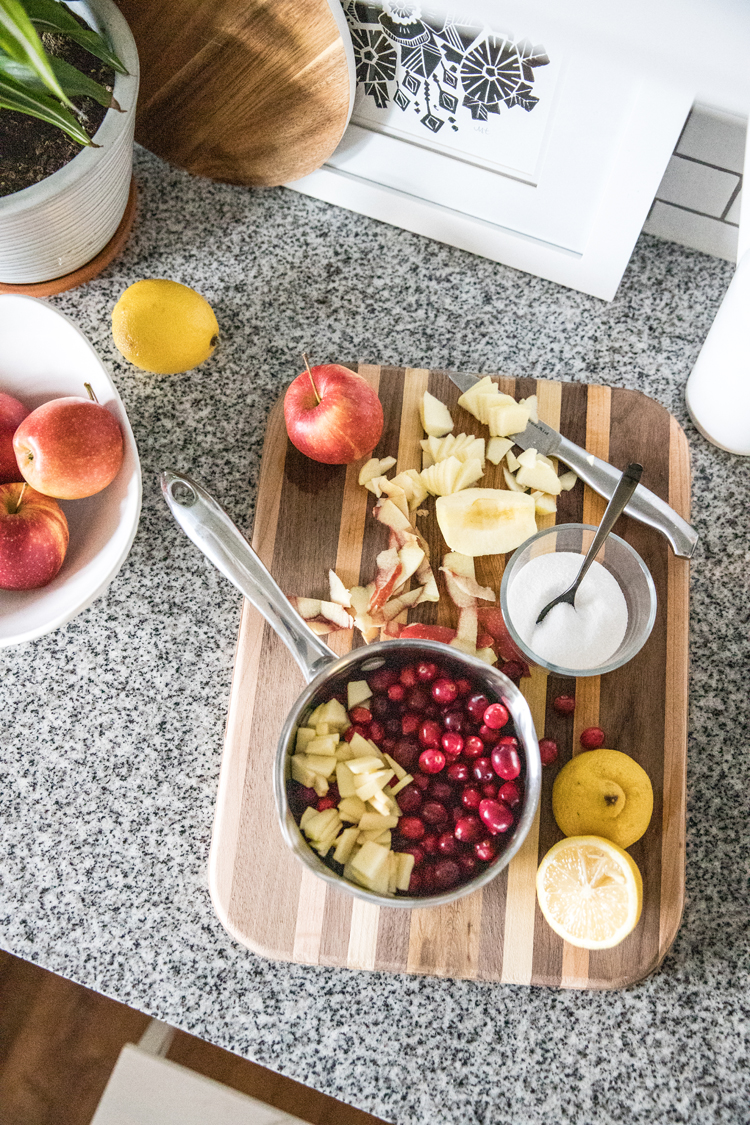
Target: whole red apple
x,y
12,414
69,448
332,415
33,537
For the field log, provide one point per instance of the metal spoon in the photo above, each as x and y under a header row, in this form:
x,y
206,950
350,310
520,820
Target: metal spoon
x,y
625,489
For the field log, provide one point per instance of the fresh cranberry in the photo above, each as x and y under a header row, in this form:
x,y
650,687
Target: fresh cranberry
x,y
349,733
564,704
473,747
300,798
434,813
468,864
421,780
496,716
468,830
417,699
509,740
506,762
393,728
426,671
476,705
458,771
397,693
416,850
448,845
488,736
444,691
513,670
430,843
592,738
457,811
432,711
359,729
432,761
427,876
482,770
360,715
489,790
333,791
406,753
408,676
380,706
447,873
452,744
325,803
547,751
377,731
486,850
440,790
471,797
464,686
388,745
415,881
495,816
409,799
411,827
382,679
510,793
430,733
454,721
410,722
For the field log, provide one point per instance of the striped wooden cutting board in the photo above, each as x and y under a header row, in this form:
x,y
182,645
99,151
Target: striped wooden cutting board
x,y
311,517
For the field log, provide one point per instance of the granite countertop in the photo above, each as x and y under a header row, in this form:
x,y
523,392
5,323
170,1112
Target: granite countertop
x,y
112,726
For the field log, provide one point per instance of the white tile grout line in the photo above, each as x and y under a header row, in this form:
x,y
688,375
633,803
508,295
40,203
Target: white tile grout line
x,y
692,210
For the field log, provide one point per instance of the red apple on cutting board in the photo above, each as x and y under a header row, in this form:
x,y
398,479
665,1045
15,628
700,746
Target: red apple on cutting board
x,y
69,448
12,414
332,415
33,537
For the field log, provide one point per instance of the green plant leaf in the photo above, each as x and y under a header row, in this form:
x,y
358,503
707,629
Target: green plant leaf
x,y
51,15
19,39
72,81
15,96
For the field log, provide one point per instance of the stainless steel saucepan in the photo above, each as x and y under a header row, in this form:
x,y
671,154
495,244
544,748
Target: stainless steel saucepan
x,y
214,533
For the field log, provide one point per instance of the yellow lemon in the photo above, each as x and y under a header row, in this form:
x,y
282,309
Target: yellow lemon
x,y
164,327
603,793
590,891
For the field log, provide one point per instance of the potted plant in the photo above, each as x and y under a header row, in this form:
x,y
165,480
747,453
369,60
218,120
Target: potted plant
x,y
68,87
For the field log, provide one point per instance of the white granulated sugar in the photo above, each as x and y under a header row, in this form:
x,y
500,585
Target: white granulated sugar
x,y
579,637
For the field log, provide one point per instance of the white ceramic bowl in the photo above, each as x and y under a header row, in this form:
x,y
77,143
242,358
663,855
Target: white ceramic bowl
x,y
42,356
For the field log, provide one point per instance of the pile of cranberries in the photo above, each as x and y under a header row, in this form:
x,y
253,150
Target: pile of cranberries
x,y
467,763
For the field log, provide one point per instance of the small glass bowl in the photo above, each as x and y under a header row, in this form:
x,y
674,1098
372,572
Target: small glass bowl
x,y
626,567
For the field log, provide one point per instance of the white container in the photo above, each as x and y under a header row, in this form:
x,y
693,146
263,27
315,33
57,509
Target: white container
x,y
44,356
58,225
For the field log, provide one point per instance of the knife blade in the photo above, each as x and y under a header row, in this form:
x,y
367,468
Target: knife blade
x,y
644,506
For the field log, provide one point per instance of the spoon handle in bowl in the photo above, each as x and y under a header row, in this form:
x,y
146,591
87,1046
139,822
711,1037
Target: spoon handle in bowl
x,y
206,523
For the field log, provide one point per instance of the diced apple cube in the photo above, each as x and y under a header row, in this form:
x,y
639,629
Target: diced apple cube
x,y
483,386
335,715
320,784
372,820
345,780
352,808
531,405
343,753
365,765
357,691
435,416
320,764
319,824
397,769
323,747
345,844
405,866
370,862
541,477
373,783
321,729
405,780
304,735
307,816
508,418
301,771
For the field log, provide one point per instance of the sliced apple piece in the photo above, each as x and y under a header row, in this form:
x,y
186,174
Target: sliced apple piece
x,y
531,405
497,448
540,477
345,780
485,521
345,845
488,655
482,386
528,459
405,867
301,771
337,590
396,789
334,714
511,481
373,820
567,480
471,471
304,735
507,418
375,467
357,691
435,416
544,504
512,462
306,607
370,862
352,808
307,816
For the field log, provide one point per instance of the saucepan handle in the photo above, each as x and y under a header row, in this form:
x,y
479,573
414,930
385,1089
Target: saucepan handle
x,y
221,541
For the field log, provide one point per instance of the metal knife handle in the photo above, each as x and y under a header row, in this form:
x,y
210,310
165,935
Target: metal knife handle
x,y
221,541
645,506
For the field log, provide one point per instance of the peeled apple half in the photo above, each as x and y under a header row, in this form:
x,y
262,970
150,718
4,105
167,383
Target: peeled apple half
x,y
485,521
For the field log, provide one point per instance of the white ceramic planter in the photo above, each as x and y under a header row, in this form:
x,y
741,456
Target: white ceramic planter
x,y
56,226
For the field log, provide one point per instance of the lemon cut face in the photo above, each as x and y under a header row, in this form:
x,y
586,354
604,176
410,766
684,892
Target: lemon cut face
x,y
590,891
164,327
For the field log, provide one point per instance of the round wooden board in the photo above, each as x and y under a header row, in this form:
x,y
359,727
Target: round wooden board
x,y
246,91
91,269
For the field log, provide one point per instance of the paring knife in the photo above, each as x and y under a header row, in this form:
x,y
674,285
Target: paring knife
x,y
645,506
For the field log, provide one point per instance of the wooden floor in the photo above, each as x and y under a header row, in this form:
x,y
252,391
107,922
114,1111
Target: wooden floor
x,y
59,1043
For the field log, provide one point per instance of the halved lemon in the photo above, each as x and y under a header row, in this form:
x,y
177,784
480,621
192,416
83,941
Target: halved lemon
x,y
590,891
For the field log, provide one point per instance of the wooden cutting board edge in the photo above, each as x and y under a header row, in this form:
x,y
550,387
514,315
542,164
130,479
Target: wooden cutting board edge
x,y
233,771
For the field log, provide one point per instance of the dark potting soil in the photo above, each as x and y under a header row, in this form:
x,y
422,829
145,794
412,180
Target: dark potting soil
x,y
30,149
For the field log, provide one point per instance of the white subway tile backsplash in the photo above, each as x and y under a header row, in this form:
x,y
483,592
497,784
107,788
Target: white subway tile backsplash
x,y
697,186
714,137
733,214
699,232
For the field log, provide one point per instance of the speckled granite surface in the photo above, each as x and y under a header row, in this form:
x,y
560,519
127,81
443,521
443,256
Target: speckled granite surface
x,y
112,727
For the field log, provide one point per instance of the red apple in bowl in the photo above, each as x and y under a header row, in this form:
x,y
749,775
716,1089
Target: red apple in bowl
x,y
12,414
69,448
33,537
332,415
